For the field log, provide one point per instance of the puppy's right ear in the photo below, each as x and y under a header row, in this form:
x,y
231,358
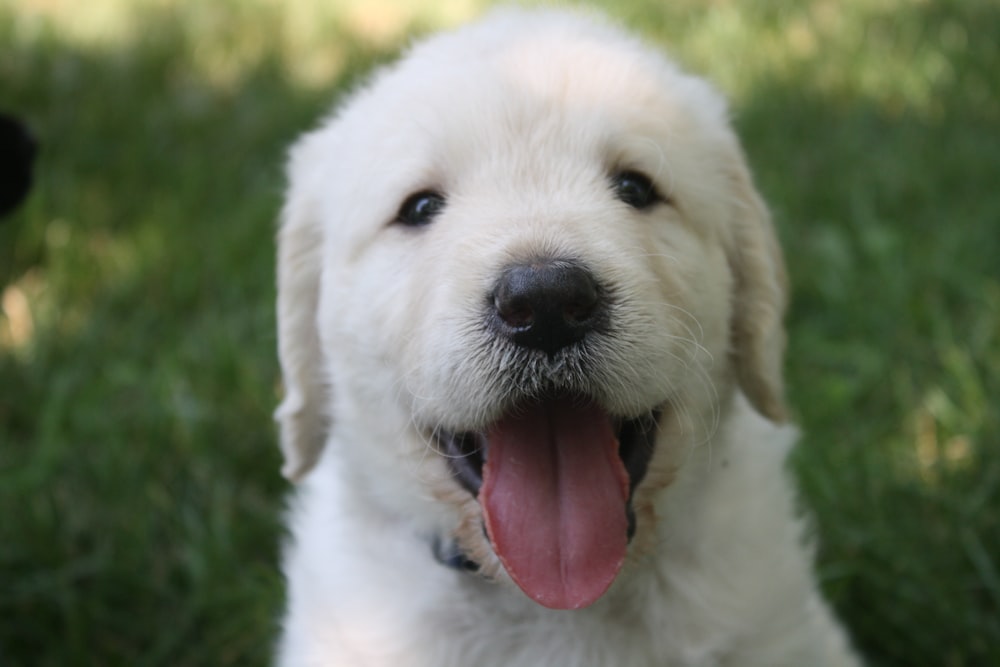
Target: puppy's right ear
x,y
301,415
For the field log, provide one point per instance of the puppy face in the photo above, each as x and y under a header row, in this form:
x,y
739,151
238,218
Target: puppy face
x,y
519,275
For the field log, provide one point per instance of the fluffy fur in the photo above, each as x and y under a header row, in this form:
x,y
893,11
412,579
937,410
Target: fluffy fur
x,y
519,121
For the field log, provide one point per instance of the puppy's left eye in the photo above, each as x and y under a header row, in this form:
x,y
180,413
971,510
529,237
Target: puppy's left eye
x,y
636,190
420,208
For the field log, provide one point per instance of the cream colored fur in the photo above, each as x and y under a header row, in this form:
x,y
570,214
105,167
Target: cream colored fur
x,y
520,120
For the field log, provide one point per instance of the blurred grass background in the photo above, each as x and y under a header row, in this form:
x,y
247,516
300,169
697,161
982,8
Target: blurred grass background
x,y
139,489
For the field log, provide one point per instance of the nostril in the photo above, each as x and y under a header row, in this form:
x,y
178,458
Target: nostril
x,y
581,306
546,304
513,304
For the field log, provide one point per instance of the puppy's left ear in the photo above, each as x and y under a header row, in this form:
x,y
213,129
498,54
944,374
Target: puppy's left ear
x,y
759,299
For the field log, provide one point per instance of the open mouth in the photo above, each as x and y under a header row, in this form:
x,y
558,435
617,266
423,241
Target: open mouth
x,y
555,478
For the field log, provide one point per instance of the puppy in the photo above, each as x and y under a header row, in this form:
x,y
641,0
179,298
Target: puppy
x,y
530,319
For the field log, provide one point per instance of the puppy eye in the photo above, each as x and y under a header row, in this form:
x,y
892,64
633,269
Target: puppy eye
x,y
420,208
636,190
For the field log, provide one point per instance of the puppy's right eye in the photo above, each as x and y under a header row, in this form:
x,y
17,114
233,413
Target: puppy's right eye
x,y
420,208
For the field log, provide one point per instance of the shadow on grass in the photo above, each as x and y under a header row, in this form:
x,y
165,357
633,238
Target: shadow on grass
x,y
138,469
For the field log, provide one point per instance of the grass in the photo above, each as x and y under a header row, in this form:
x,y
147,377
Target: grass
x,y
138,466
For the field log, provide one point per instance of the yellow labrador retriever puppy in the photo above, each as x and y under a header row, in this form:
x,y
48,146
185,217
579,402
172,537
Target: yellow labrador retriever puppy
x,y
530,315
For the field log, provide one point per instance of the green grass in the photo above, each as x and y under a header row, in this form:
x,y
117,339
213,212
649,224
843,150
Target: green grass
x,y
139,488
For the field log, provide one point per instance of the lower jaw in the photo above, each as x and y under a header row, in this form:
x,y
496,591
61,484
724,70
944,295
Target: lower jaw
x,y
468,451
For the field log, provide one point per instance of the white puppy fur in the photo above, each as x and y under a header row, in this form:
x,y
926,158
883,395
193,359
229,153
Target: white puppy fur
x,y
521,127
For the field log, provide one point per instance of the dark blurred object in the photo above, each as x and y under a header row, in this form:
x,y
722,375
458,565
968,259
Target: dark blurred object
x,y
17,154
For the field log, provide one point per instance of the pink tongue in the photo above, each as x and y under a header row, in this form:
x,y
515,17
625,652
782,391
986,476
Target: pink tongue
x,y
553,497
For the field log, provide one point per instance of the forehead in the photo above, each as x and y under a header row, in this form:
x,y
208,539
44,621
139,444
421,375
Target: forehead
x,y
487,90
526,105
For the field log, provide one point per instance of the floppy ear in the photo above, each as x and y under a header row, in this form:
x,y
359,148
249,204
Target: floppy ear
x,y
759,299
301,415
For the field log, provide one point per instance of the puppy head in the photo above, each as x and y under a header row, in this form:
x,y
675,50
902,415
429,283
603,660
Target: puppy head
x,y
533,223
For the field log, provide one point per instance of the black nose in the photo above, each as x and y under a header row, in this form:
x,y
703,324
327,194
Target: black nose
x,y
547,304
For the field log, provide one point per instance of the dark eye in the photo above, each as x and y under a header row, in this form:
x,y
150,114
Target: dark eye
x,y
636,190
420,208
